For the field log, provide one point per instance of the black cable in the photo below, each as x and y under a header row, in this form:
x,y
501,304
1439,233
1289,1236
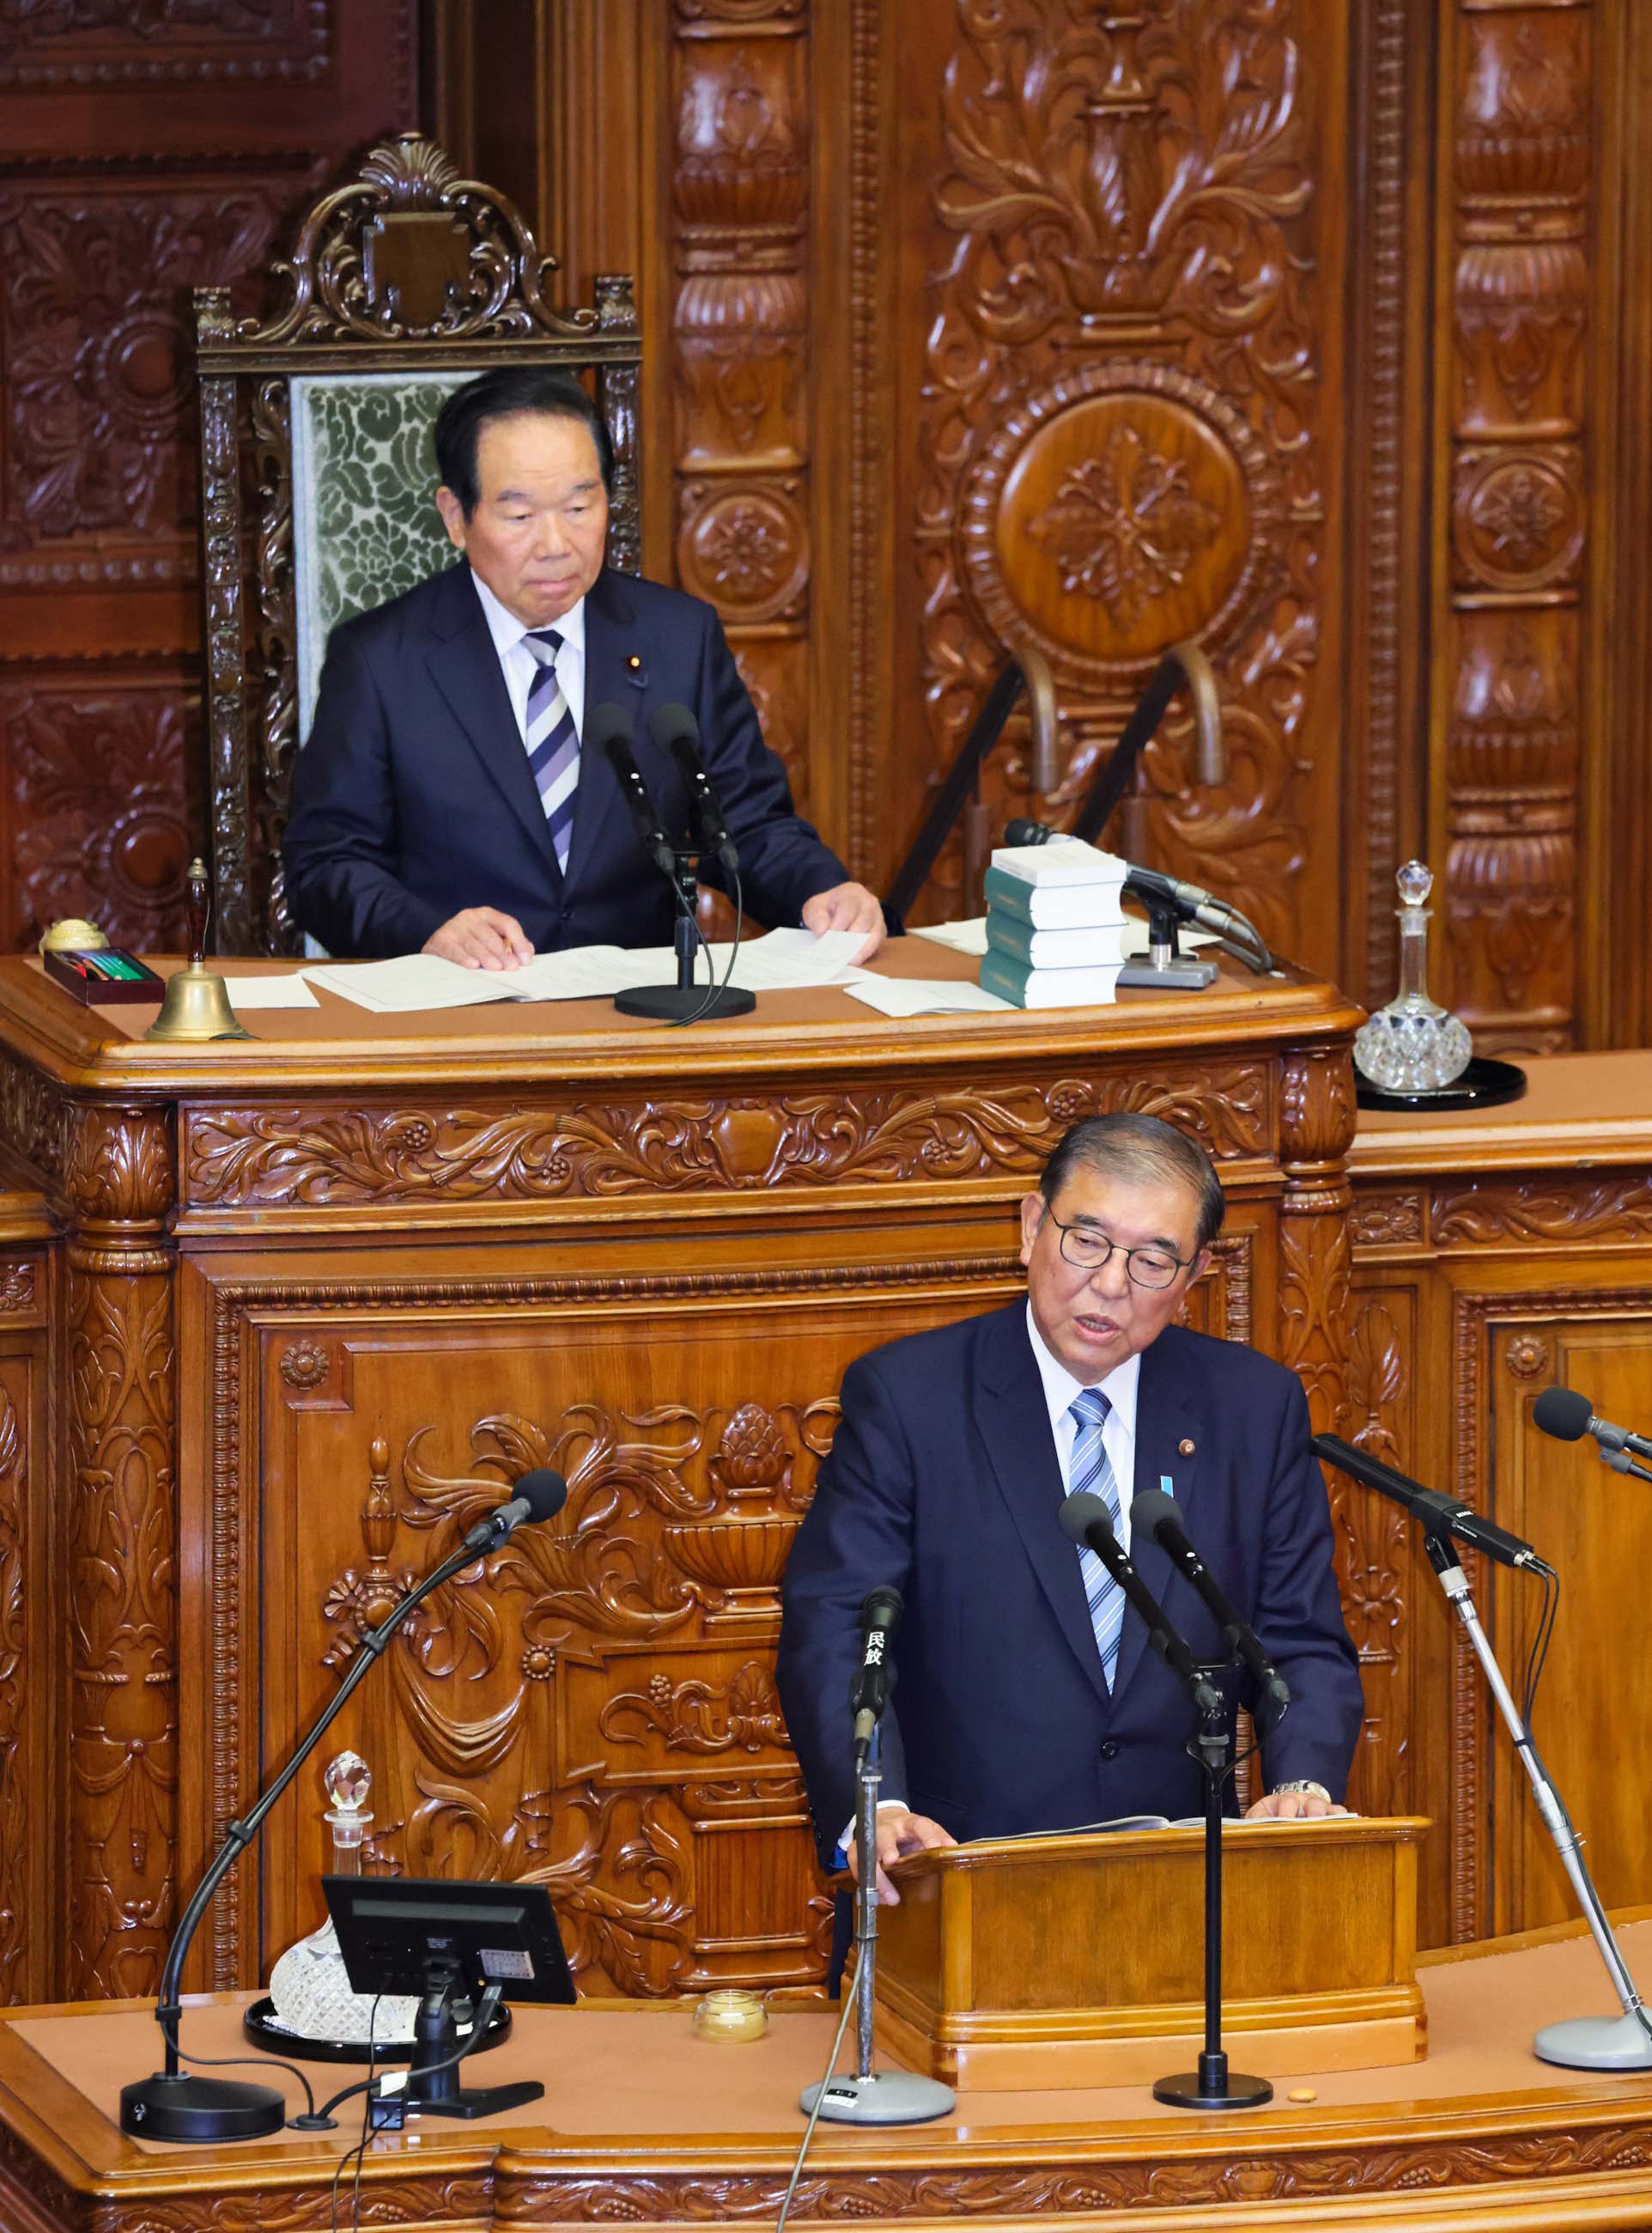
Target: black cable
x,y
169,2038
1537,1657
483,2020
713,990
360,2150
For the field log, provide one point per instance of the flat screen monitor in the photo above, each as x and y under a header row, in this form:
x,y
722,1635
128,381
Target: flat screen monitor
x,y
395,1931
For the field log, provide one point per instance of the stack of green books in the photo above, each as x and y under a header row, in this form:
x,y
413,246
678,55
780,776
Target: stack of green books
x,y
1056,924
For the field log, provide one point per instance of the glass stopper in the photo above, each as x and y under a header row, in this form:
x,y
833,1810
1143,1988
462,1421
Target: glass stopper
x,y
347,1779
1416,882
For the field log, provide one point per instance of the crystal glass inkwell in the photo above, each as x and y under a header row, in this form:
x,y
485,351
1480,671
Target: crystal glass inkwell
x,y
1413,1045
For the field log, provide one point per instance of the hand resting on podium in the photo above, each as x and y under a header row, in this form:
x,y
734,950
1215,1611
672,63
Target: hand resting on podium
x,y
900,1832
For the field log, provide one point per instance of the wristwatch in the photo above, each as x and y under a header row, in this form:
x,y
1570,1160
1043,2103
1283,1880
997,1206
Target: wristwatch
x,y
1305,1783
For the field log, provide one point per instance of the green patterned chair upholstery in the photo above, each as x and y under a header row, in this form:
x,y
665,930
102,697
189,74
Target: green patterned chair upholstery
x,y
318,476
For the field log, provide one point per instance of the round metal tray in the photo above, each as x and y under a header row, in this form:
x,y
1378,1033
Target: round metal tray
x,y
1485,1083
261,2028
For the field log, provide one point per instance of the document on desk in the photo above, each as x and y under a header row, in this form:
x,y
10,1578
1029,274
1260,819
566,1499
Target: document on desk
x,y
923,996
783,960
412,984
288,992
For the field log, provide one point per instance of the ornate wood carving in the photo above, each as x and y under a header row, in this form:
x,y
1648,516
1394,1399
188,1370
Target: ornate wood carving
x,y
741,206
296,1157
1372,1538
33,1115
96,780
118,1182
1552,1207
99,485
1390,1221
47,45
1517,231
19,1683
1112,453
1317,1128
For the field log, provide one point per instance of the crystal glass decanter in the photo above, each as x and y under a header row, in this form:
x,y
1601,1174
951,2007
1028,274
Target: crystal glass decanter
x,y
1413,1045
309,1986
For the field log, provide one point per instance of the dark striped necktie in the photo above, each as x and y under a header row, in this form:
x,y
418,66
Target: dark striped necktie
x,y
552,741
1091,1470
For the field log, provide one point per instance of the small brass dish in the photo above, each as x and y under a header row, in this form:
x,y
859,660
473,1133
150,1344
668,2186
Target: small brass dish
x,y
71,934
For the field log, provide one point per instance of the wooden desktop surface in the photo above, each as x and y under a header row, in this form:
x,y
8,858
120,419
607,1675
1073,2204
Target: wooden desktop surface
x,y
643,2122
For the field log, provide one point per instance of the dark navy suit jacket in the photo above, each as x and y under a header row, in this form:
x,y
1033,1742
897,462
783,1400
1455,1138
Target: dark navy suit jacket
x,y
413,797
943,1480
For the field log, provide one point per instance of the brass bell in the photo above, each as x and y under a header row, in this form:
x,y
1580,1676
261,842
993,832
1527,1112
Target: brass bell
x,y
195,1008
196,1004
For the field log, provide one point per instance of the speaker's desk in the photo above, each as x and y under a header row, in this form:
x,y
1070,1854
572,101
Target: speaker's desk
x,y
319,1295
642,2124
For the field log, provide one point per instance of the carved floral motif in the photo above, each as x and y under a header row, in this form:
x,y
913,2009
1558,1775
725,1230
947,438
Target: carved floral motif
x,y
304,1157
1388,1221
305,1364
18,1285
1578,1209
1125,527
742,1714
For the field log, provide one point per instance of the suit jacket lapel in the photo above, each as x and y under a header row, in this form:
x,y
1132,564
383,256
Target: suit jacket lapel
x,y
1011,1414
1166,1415
465,668
610,638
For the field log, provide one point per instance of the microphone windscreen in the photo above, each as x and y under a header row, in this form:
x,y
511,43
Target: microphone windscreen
x,y
1029,833
1151,1507
1563,1413
882,1607
605,725
1080,1512
671,725
543,1492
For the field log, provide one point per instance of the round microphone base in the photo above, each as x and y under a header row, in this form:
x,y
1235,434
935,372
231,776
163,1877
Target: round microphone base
x,y
1213,2086
676,1004
192,2108
1596,2043
887,2096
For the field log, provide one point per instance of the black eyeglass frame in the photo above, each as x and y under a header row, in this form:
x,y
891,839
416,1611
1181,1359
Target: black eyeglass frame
x,y
1090,1232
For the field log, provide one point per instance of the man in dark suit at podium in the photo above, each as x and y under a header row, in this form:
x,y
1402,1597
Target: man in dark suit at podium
x,y
1025,1696
442,801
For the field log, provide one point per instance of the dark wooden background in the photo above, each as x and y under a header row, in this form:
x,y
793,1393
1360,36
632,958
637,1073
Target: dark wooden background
x,y
1344,306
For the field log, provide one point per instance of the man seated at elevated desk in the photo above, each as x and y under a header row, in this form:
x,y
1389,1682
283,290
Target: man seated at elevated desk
x,y
441,802
1026,1696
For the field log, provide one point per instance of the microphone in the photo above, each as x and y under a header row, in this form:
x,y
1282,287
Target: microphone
x,y
1192,902
1441,1516
1156,1515
540,1495
868,1692
173,2104
1086,1519
1567,1415
608,729
674,728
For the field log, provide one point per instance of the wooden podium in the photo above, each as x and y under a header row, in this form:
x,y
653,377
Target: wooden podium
x,y
1017,1964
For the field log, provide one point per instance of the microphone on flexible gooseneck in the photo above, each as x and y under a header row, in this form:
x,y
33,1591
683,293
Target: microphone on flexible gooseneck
x,y
674,729
607,730
1086,1520
1568,1416
1155,1514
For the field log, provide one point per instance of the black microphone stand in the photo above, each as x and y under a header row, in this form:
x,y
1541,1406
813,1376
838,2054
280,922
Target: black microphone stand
x,y
685,1002
1213,2085
170,2104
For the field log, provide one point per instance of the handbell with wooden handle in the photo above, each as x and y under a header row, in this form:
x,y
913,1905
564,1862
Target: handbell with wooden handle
x,y
196,1005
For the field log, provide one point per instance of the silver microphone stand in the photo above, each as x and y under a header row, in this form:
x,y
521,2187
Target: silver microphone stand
x,y
872,2097
1584,2042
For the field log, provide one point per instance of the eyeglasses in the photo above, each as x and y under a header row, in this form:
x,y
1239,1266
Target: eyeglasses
x,y
1088,1250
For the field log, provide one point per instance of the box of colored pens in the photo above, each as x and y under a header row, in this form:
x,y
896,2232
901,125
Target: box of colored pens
x,y
100,975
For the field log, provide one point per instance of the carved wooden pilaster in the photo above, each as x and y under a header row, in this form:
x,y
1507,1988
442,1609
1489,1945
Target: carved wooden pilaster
x,y
738,320
1316,1248
118,1180
1517,247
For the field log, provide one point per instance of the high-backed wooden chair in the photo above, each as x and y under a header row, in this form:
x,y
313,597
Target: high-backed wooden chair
x,y
318,475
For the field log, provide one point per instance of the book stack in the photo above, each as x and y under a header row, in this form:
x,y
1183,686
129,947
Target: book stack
x,y
1056,924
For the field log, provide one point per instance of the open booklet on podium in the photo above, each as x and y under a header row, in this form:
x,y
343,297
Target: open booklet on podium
x,y
1077,1960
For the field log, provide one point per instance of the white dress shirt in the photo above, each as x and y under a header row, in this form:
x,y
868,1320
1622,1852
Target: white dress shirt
x,y
1119,1387
519,665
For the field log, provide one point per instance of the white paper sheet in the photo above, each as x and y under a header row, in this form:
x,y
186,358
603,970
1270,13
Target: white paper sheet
x,y
923,996
970,937
784,960
251,993
414,984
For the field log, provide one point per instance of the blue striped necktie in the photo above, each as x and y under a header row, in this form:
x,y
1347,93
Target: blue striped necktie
x,y
1092,1471
552,741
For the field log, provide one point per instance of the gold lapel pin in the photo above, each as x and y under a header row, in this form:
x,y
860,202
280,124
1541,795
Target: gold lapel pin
x,y
1186,1449
634,672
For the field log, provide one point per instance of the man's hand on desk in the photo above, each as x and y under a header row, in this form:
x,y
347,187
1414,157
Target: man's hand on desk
x,y
481,938
1292,1806
900,1832
847,907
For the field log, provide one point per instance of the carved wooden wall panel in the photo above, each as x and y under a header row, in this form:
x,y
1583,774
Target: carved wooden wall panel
x,y
1518,90
31,1885
147,150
